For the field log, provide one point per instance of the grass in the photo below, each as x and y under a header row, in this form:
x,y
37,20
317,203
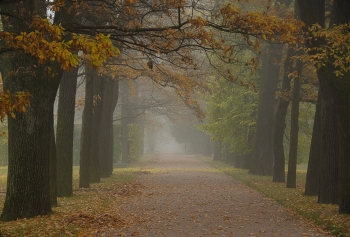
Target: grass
x,y
86,213
325,216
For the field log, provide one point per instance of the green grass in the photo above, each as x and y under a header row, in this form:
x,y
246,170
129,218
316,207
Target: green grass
x,y
326,216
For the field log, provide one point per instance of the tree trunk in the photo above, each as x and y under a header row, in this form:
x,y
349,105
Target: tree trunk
x,y
217,152
280,125
111,148
313,168
311,12
263,151
151,141
64,133
86,133
53,164
207,145
98,97
329,179
106,130
125,121
342,9
344,193
28,181
294,131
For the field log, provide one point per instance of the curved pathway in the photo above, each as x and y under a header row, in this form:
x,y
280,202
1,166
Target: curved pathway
x,y
186,197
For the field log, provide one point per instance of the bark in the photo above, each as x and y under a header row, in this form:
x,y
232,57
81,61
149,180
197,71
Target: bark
x,y
65,131
86,134
239,161
263,150
313,168
217,152
141,123
344,193
151,141
98,97
125,120
342,9
53,164
207,145
28,181
311,12
329,179
106,129
294,131
280,125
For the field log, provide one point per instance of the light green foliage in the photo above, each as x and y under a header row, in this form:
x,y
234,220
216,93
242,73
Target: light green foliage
x,y
231,116
134,139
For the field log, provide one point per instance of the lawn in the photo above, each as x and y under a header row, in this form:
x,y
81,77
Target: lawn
x,y
325,216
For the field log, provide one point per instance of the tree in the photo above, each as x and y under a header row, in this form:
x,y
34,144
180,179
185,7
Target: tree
x,y
334,88
26,199
313,168
64,135
280,125
294,130
106,130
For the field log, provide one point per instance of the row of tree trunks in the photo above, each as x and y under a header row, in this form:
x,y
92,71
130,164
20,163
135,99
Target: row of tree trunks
x,y
96,159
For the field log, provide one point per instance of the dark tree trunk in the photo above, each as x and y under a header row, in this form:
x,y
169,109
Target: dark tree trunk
x,y
28,181
311,12
86,133
229,157
53,164
151,141
280,125
294,131
99,94
313,168
125,121
239,161
263,150
342,16
111,148
141,124
217,152
64,133
344,193
106,130
329,178
207,146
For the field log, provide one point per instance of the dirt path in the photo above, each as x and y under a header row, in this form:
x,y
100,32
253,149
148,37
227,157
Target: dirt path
x,y
189,198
